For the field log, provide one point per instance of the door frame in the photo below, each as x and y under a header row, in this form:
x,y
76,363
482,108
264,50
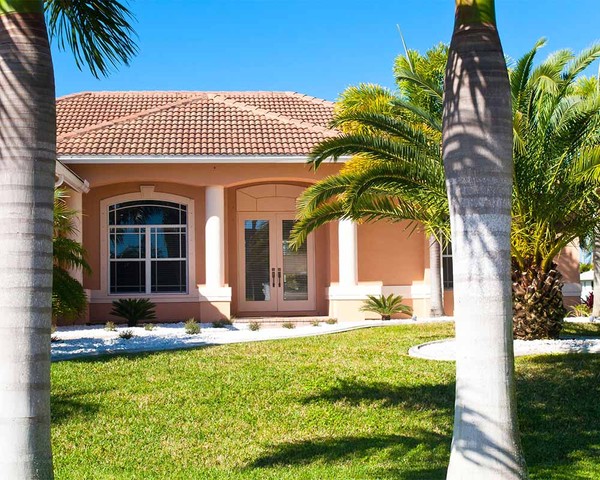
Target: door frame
x,y
276,304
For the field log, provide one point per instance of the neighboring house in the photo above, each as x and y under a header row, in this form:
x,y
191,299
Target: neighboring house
x,y
191,200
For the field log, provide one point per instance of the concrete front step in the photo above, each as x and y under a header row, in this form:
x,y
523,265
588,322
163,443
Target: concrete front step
x,y
304,320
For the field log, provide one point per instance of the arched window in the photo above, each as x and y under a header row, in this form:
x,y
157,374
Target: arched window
x,y
147,247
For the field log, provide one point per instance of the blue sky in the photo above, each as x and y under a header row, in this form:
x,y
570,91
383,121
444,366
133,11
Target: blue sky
x,y
313,47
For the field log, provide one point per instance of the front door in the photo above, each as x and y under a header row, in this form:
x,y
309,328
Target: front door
x,y
273,277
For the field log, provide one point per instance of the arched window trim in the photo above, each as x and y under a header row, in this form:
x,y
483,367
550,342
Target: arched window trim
x,y
146,193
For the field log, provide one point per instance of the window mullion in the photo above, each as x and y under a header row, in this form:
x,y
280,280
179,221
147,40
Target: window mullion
x,y
148,260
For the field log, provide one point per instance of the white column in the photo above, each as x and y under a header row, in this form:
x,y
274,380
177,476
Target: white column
x,y
75,202
215,237
347,251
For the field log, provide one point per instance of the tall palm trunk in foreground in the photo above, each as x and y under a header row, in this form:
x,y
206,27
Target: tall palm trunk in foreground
x,y
477,150
27,155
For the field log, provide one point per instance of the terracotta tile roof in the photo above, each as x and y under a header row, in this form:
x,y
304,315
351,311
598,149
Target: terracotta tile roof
x,y
191,123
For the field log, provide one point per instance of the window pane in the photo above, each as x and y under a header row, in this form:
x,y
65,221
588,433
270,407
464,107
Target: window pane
x,y
295,267
147,213
127,243
166,242
256,237
168,276
127,277
447,267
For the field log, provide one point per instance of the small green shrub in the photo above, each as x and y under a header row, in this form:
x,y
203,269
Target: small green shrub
x,y
288,325
126,334
315,323
254,326
581,310
54,338
52,329
133,310
331,321
149,327
585,267
192,327
222,323
386,306
110,326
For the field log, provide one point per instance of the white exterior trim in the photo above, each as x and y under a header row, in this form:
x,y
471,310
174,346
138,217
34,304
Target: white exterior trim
x,y
337,291
66,175
152,159
212,294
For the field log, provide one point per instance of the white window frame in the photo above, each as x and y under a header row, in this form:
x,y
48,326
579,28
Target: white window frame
x,y
148,230
147,192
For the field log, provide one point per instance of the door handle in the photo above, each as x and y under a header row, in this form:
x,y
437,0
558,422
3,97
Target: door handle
x,y
279,276
273,276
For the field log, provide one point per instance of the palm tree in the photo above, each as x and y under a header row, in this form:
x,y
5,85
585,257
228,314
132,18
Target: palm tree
x,y
407,124
554,202
99,34
553,121
68,296
477,151
586,87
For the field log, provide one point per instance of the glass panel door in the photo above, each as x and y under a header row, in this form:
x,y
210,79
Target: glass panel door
x,y
297,269
295,266
258,270
256,239
272,276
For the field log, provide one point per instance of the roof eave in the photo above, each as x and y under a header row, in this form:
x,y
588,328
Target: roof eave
x,y
66,176
199,159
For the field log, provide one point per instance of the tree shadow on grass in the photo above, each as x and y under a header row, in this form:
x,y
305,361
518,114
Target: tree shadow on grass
x,y
438,397
65,406
559,410
558,415
357,449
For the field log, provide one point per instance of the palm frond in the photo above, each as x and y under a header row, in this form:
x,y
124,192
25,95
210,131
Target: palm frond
x,y
99,33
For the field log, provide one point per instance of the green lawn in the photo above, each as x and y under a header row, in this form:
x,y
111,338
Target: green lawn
x,y
345,406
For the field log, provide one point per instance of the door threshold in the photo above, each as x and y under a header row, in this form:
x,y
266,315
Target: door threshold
x,y
280,319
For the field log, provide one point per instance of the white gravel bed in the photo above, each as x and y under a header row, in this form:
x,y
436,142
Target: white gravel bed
x,y
446,349
86,341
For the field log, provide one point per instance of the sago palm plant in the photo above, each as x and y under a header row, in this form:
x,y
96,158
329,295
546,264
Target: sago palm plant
x,y
386,306
133,310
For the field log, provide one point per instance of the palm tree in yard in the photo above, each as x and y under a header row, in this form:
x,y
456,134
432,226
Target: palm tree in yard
x,y
477,151
99,34
555,202
396,172
555,117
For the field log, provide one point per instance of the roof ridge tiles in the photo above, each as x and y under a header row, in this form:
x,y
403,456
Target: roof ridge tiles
x,y
321,101
271,115
133,116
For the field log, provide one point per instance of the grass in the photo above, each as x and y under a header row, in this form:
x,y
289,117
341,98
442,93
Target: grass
x,y
580,330
346,406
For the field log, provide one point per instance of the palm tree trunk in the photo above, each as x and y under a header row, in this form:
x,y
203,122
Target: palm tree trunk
x,y
538,308
596,263
477,150
435,274
27,156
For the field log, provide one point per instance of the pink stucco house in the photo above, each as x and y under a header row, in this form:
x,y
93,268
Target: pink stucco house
x,y
188,198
